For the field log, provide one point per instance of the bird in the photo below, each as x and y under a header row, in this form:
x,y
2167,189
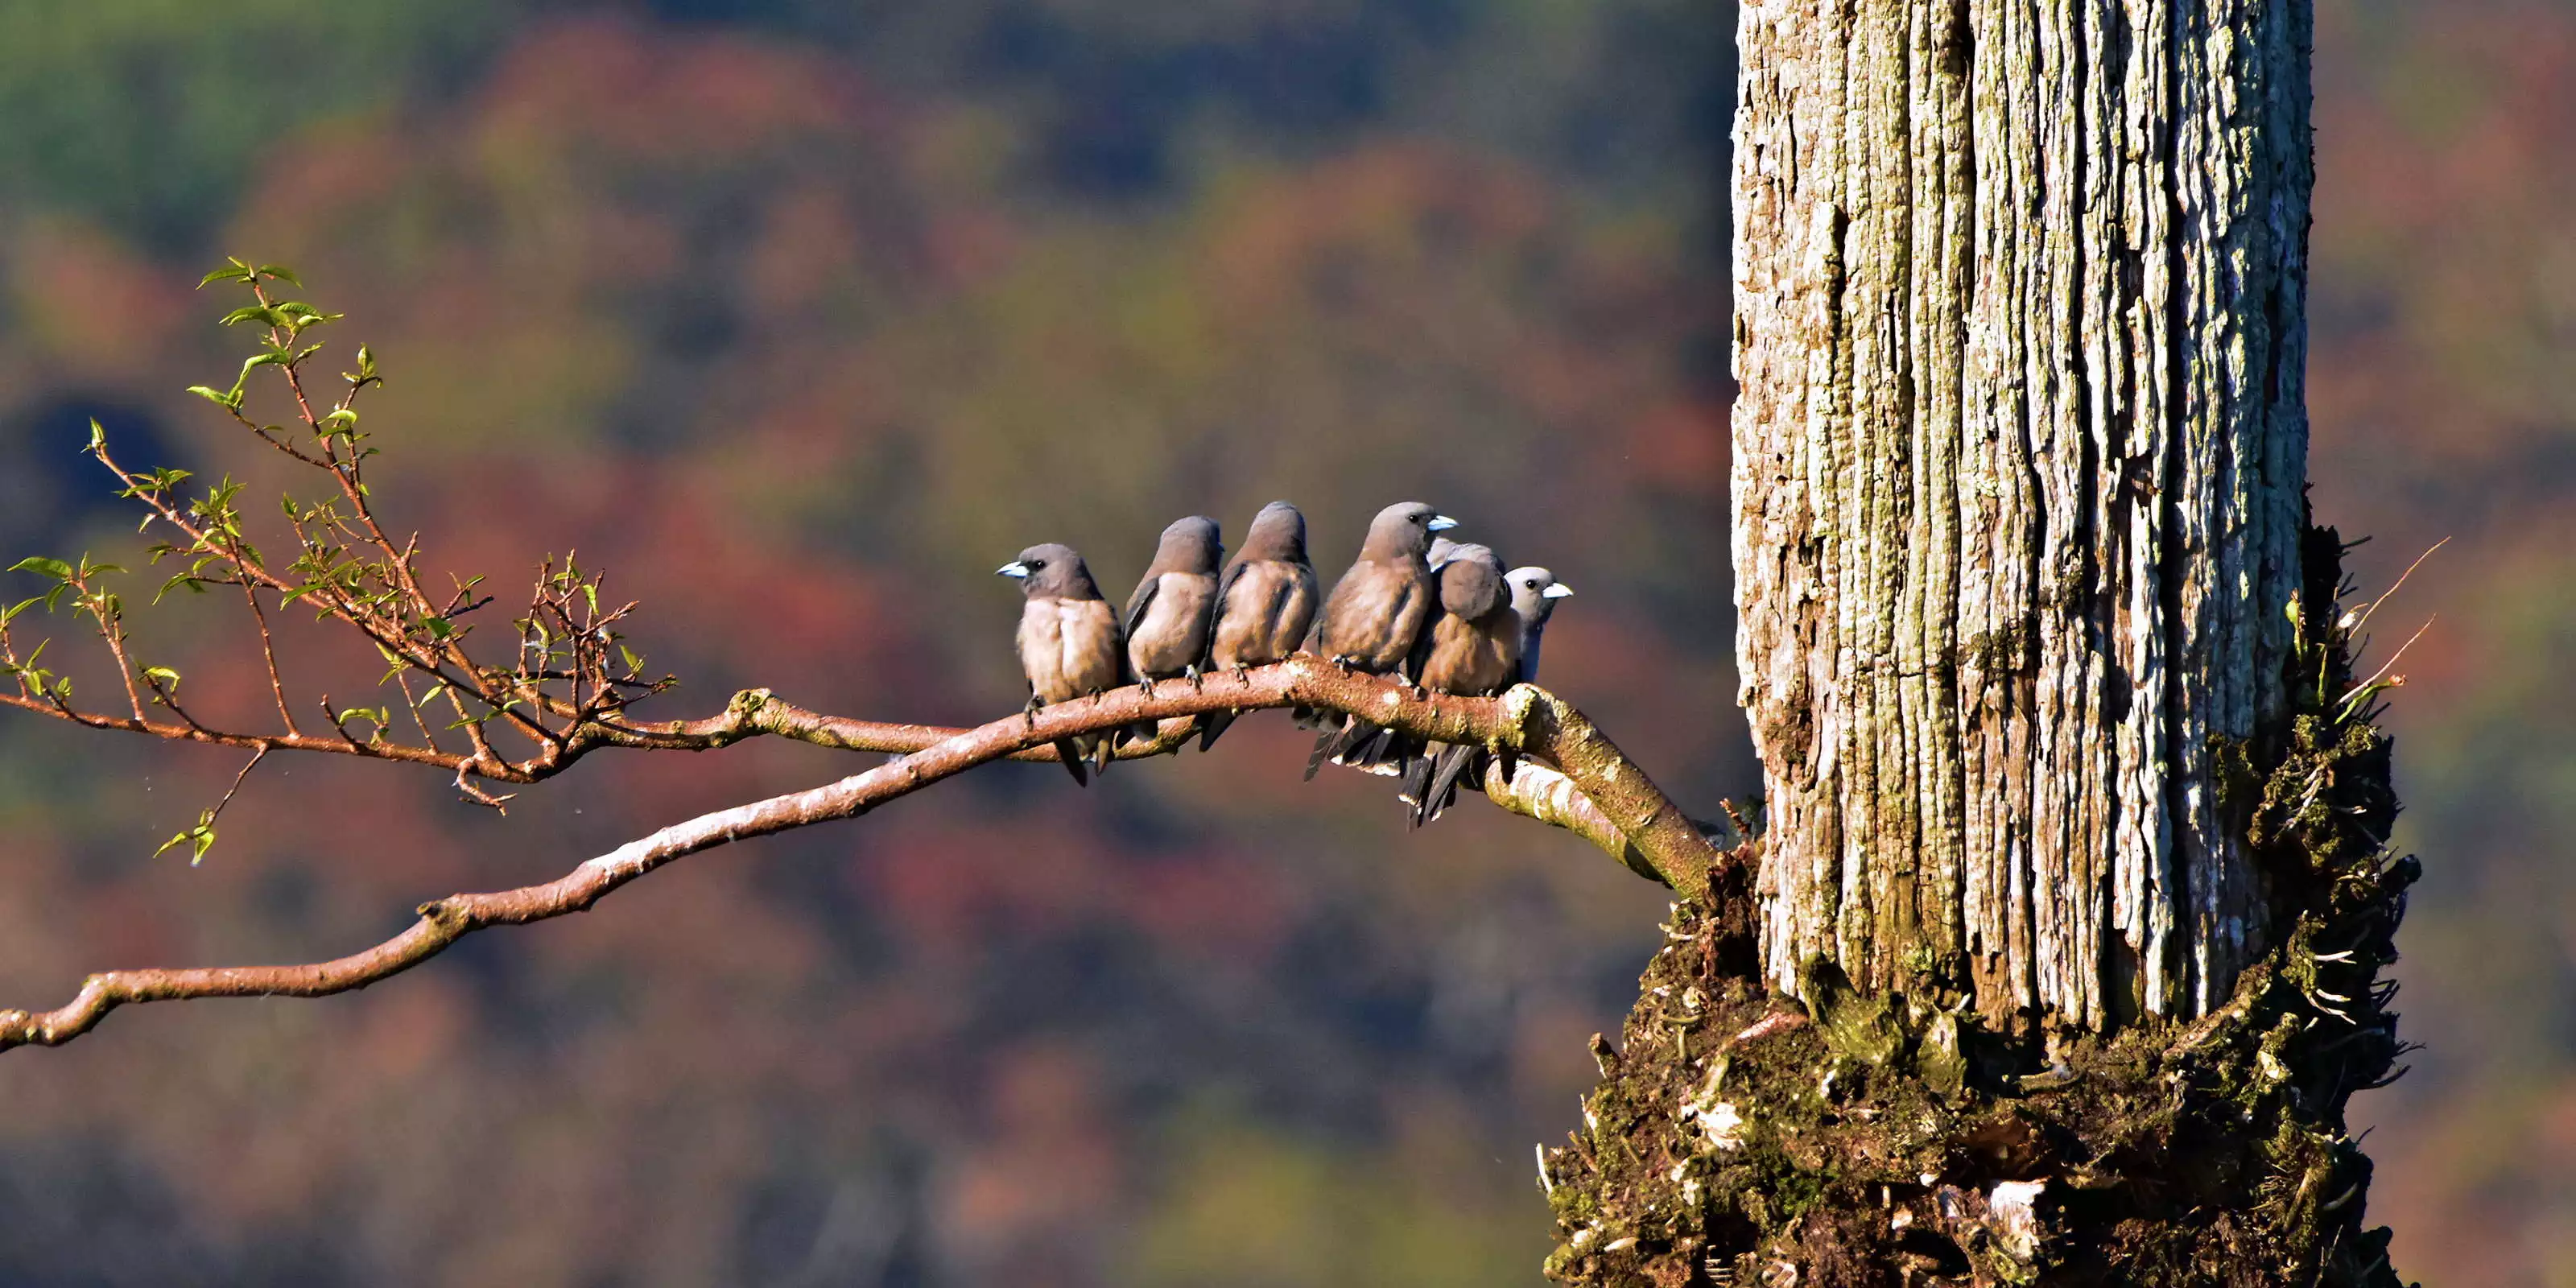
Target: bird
x,y
1376,612
1070,644
1168,616
1534,592
1168,613
1264,604
1473,644
1470,647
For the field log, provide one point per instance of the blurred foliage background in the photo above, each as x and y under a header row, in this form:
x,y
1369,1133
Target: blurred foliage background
x,y
800,317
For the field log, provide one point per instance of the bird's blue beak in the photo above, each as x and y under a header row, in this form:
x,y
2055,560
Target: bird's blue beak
x,y
1441,523
1557,591
1012,569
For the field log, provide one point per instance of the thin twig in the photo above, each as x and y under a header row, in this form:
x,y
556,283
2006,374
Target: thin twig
x,y
268,653
2383,667
2394,587
238,780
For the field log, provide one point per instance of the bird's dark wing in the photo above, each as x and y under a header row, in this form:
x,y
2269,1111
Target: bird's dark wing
x,y
1141,600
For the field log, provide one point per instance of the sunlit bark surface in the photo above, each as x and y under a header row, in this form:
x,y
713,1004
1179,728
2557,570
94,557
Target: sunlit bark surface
x,y
2018,475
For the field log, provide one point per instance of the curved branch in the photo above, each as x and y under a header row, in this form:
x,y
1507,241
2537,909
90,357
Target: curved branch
x,y
1625,808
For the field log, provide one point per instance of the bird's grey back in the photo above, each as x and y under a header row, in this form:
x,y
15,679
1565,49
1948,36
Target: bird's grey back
x,y
1471,582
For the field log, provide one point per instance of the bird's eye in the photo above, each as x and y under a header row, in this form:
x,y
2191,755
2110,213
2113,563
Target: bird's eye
x,y
1037,563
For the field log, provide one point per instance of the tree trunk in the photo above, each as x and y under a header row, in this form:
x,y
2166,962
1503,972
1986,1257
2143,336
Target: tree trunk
x,y
2072,840
2019,461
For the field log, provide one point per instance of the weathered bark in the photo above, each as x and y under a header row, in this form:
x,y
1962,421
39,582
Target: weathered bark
x,y
2019,463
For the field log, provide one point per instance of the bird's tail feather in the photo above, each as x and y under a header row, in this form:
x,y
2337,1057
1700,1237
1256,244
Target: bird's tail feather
x,y
1215,723
1323,748
1071,755
1417,783
1441,788
1335,744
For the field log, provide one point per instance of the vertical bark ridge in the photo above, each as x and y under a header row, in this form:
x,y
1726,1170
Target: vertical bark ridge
x,y
2018,475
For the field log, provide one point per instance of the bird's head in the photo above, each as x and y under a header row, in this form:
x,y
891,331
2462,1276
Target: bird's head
x,y
1190,545
1405,528
1050,572
1535,591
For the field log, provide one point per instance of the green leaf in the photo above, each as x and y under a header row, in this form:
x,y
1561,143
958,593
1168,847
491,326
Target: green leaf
x,y
228,401
282,273
439,627
169,679
199,838
54,568
188,579
261,313
234,270
97,434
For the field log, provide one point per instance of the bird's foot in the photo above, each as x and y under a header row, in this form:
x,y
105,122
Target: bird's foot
x,y
1146,682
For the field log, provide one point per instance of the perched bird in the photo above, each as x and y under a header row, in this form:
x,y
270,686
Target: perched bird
x,y
1534,592
1377,610
1168,615
1472,647
1473,644
1265,602
1070,643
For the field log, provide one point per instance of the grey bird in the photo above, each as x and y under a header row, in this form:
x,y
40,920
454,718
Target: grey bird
x,y
1070,643
1534,592
1473,644
1264,604
1376,613
1168,615
1471,647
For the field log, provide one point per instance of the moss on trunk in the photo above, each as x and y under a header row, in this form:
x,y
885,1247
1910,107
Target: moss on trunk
x,y
1890,1138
